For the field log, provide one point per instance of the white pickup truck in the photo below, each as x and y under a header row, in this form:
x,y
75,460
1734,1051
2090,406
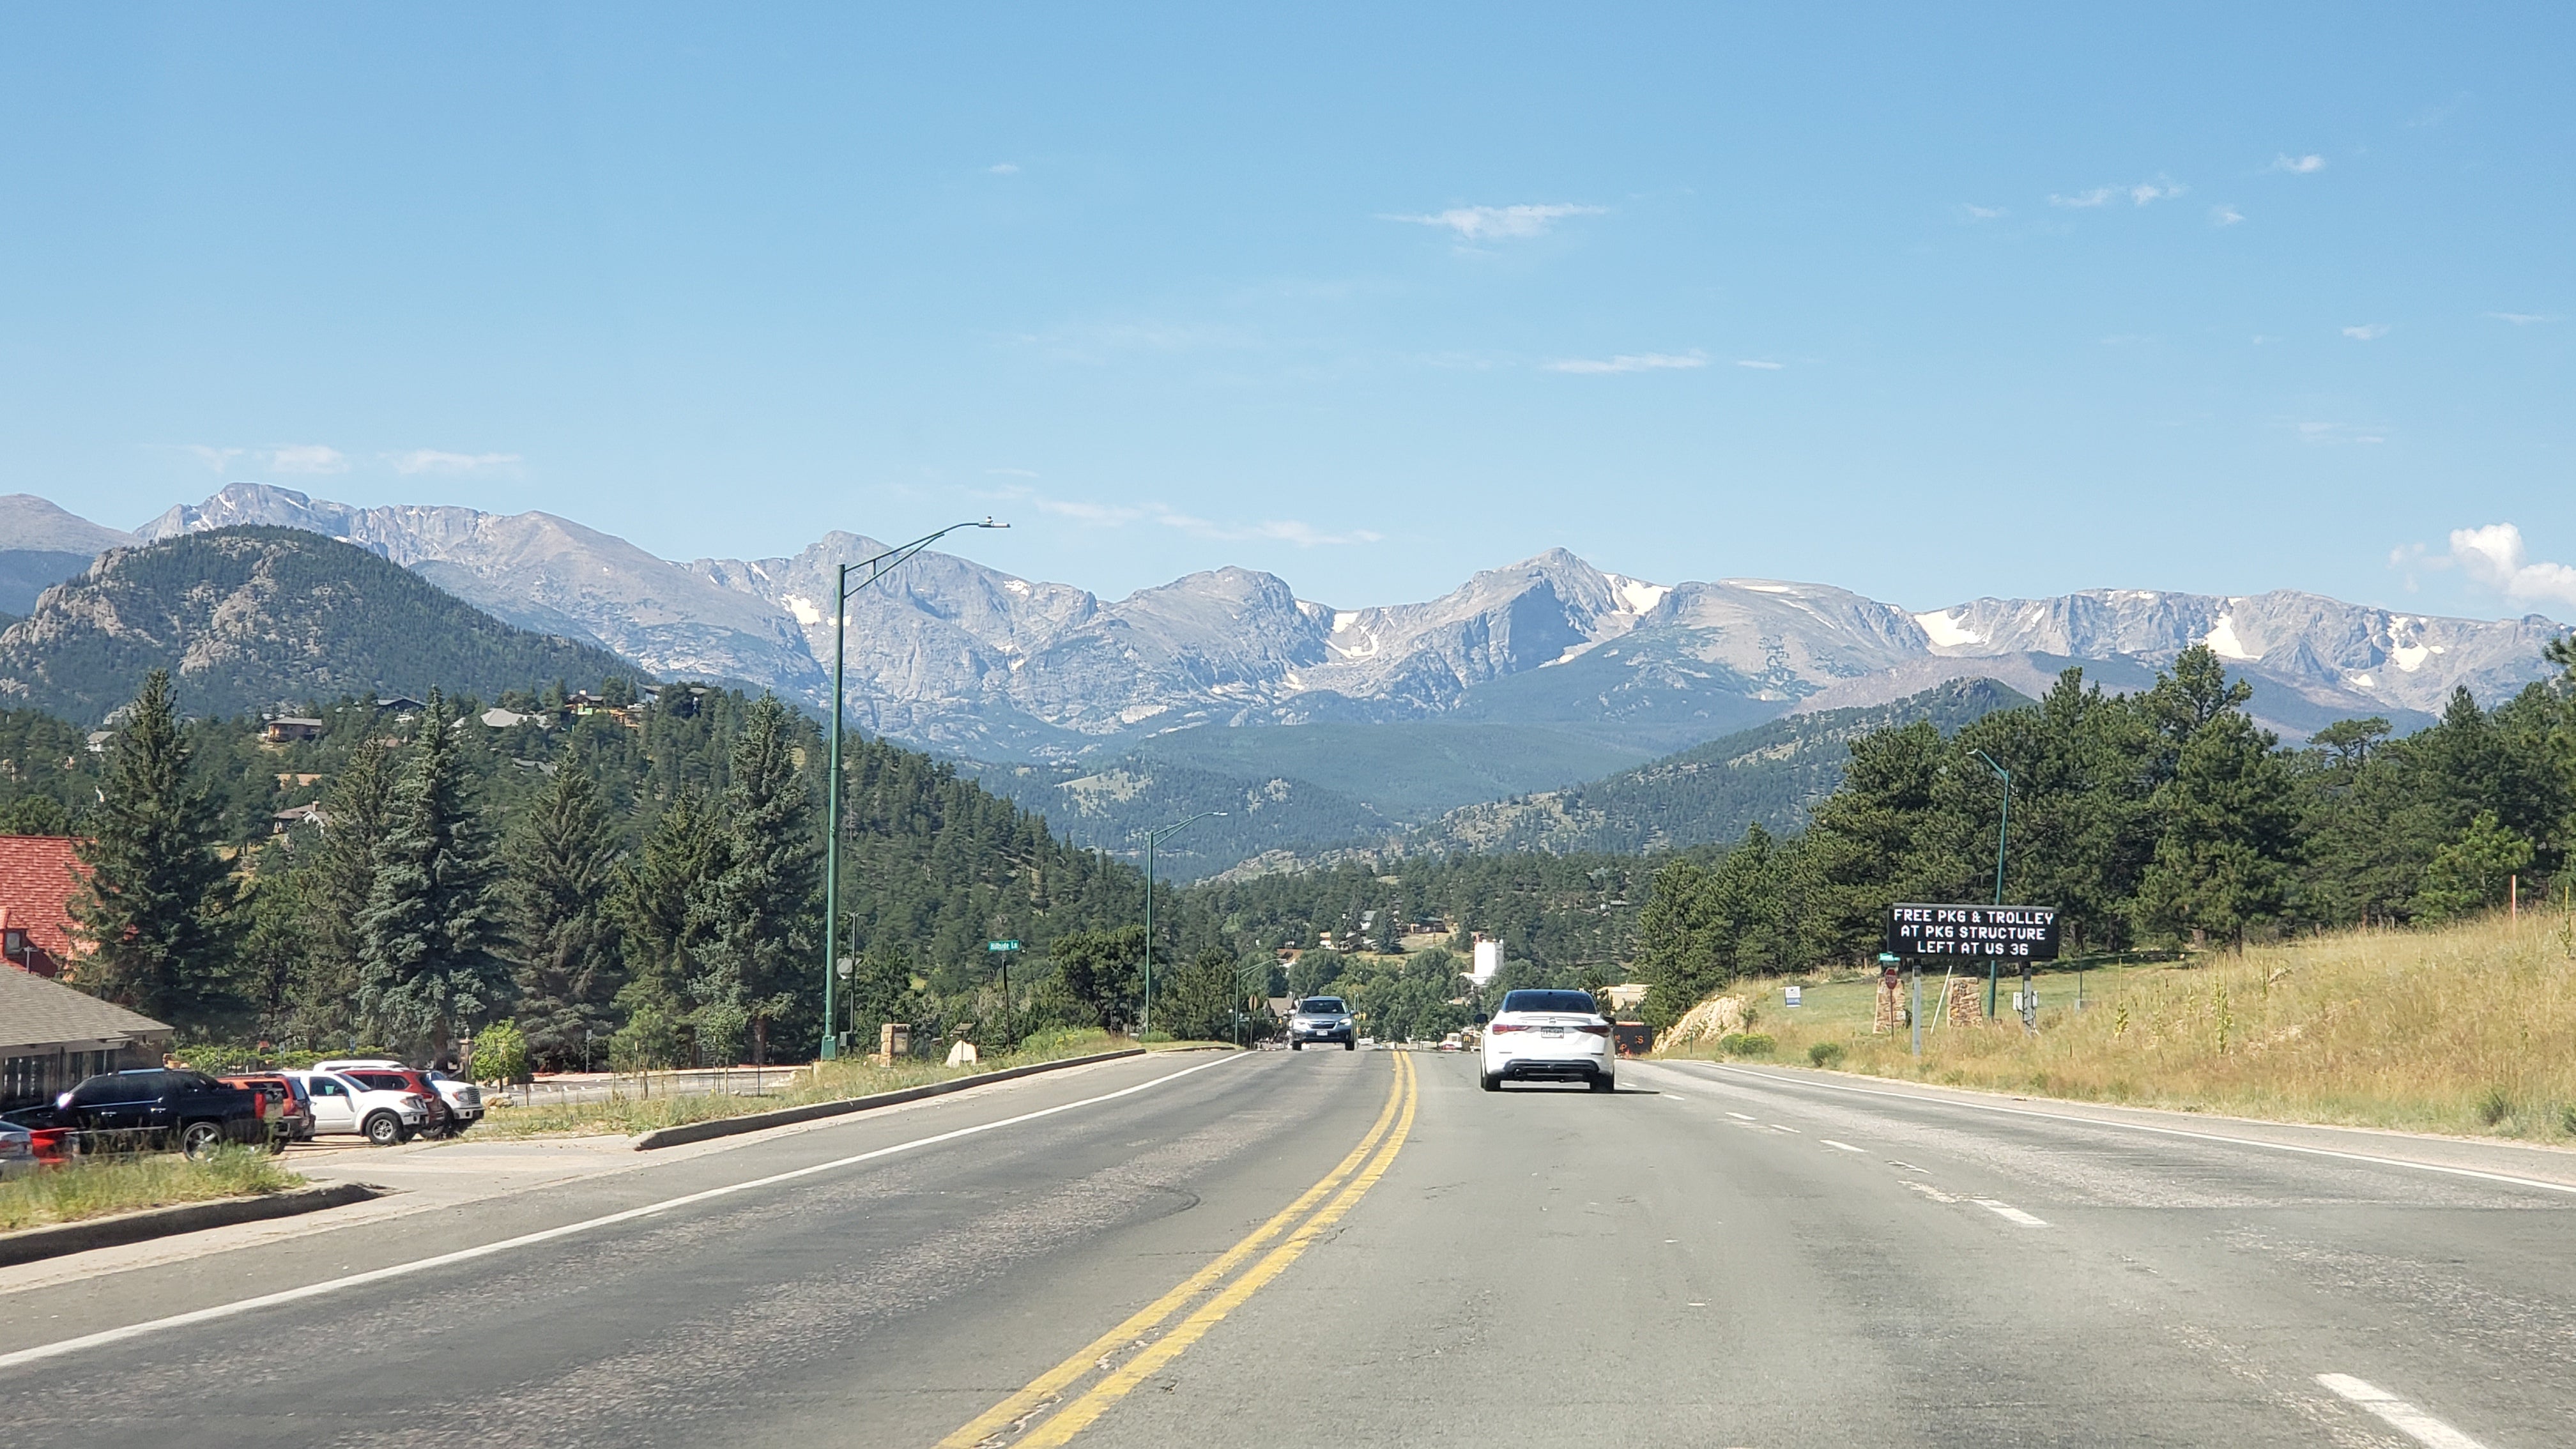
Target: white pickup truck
x,y
345,1107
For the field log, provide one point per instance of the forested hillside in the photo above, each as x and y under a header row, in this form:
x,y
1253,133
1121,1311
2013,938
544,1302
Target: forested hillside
x,y
628,879
1770,776
245,618
2163,818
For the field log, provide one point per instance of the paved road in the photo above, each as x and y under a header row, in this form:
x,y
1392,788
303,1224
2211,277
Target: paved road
x,y
1363,1248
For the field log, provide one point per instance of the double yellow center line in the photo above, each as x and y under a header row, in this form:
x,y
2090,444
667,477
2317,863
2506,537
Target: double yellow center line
x,y
1057,1404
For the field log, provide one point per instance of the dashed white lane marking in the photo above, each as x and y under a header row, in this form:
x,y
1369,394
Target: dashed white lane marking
x,y
1776,1127
485,1250
1907,1166
1843,1146
2398,1414
2008,1212
1928,1190
1738,1116
2541,1184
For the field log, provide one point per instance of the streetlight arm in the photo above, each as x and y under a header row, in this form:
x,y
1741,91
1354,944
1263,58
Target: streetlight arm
x,y
887,561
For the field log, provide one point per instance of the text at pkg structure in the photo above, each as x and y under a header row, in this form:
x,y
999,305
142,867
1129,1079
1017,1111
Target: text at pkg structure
x,y
2016,933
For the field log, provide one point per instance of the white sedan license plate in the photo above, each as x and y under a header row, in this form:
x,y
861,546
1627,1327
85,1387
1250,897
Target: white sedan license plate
x,y
1551,1031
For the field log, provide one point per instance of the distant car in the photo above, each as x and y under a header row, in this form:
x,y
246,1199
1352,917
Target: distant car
x,y
1452,1043
458,1103
17,1150
152,1108
288,1115
342,1106
1322,1019
1558,1036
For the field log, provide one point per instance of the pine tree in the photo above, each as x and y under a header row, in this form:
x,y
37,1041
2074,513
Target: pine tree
x,y
425,958
2227,820
758,915
560,863
153,900
334,891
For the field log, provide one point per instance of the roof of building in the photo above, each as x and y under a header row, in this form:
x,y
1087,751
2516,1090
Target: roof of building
x,y
40,1013
297,720
38,874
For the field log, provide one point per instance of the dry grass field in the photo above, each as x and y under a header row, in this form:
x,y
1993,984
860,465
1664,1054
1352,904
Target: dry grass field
x,y
2465,1029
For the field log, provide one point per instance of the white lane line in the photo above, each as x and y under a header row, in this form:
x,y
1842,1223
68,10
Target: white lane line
x,y
2503,1177
466,1255
1843,1146
1776,1127
2003,1210
2398,1414
1740,1117
1928,1190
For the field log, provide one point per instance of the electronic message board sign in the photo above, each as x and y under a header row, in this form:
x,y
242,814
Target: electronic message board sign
x,y
2015,933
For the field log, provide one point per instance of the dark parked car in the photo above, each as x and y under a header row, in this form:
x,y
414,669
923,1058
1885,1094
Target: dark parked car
x,y
153,1107
286,1110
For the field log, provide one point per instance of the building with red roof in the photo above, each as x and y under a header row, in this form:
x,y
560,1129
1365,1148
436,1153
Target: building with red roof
x,y
38,874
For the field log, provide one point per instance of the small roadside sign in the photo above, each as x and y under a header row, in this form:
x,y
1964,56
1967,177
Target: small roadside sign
x,y
1001,945
1795,993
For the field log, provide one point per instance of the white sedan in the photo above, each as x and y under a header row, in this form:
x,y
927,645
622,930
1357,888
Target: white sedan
x,y
1556,1036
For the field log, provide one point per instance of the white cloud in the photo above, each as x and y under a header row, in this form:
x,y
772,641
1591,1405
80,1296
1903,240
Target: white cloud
x,y
431,460
2522,319
2299,165
1632,362
219,459
1981,213
2225,216
2494,557
1004,168
1482,223
307,458
1119,515
2367,332
1760,363
2163,188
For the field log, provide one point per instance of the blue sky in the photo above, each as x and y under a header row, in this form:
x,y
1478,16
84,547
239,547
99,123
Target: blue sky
x,y
2009,301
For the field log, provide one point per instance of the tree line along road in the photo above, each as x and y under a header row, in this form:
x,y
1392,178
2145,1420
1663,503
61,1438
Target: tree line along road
x,y
1275,1248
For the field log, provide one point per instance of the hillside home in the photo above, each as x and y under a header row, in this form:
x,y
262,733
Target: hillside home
x,y
38,874
291,729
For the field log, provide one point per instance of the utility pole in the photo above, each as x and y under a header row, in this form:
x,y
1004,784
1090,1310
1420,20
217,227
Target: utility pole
x,y
877,567
1145,1009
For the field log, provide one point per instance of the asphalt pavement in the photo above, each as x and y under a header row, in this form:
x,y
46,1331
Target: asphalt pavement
x,y
1362,1248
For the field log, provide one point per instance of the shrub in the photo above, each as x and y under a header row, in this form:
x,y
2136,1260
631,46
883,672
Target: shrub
x,y
1825,1054
500,1053
1746,1044
2494,1107
2567,1119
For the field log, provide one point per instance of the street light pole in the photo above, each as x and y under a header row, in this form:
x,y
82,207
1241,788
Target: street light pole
x,y
2003,823
1145,1010
877,567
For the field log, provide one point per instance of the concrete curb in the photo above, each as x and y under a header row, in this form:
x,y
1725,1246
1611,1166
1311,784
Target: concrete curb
x,y
30,1244
789,1116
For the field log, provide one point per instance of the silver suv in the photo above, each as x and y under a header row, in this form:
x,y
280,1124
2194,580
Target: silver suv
x,y
1322,1019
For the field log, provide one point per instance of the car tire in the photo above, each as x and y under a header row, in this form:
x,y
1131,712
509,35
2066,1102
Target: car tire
x,y
1350,1046
198,1140
385,1130
1296,1046
1605,1083
1490,1081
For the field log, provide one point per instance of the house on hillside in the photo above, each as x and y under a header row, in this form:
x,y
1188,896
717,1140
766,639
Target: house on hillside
x,y
38,874
291,729
51,1037
286,820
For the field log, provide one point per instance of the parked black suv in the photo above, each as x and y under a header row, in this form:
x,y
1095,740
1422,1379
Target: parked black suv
x,y
153,1107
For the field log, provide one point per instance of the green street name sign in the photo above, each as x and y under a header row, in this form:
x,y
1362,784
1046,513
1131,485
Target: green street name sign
x,y
1001,945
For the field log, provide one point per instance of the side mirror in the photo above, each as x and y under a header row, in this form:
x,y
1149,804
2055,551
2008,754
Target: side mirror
x,y
1482,1018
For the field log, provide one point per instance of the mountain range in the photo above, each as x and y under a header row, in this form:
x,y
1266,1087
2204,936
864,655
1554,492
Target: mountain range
x,y
953,654
1526,678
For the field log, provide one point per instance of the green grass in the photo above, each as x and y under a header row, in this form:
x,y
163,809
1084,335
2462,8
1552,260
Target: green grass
x,y
2467,1029
97,1186
830,1082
